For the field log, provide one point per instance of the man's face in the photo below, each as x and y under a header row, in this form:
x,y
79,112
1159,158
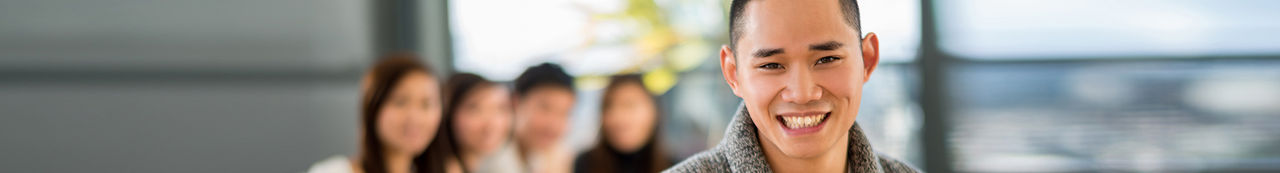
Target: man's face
x,y
541,116
799,68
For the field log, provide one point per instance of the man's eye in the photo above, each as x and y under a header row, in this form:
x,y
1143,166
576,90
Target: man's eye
x,y
771,66
827,59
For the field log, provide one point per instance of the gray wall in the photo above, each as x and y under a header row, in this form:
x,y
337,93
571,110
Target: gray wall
x,y
179,85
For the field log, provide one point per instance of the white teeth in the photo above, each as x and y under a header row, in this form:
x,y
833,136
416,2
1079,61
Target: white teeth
x,y
802,122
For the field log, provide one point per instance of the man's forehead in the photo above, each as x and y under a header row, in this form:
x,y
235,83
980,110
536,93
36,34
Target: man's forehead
x,y
788,9
793,23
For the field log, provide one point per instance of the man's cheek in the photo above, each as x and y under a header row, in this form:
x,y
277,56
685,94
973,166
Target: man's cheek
x,y
839,89
842,82
763,89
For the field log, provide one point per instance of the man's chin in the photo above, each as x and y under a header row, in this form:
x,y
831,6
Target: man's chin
x,y
806,151
806,146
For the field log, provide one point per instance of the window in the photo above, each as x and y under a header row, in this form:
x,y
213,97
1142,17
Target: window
x,y
1073,29
1083,86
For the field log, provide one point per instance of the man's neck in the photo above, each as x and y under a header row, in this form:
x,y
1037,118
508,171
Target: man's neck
x,y
831,161
470,160
399,163
526,152
530,155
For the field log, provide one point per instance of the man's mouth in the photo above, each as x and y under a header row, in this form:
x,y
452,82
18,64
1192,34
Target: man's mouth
x,y
803,120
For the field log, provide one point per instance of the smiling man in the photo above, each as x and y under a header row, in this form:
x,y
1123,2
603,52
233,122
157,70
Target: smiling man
x,y
799,66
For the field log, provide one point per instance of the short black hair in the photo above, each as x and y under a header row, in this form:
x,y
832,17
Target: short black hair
x,y
847,7
547,74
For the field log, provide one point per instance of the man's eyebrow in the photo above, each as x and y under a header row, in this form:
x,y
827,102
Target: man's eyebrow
x,y
829,45
767,52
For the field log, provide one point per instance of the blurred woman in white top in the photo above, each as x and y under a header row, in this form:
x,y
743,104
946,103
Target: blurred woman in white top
x,y
399,115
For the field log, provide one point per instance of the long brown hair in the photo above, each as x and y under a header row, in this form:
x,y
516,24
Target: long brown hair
x,y
375,88
603,156
445,145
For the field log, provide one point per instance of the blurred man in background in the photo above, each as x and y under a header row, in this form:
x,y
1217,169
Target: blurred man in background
x,y
544,99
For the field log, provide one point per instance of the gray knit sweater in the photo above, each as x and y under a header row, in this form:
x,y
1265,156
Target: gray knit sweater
x,y
740,152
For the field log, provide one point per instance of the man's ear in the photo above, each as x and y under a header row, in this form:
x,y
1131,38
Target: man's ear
x,y
870,54
729,67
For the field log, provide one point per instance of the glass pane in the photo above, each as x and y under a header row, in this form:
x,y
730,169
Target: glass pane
x,y
897,23
587,37
1055,29
1186,116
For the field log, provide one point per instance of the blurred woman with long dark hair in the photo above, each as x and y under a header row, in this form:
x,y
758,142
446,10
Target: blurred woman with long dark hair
x,y
477,122
628,140
399,115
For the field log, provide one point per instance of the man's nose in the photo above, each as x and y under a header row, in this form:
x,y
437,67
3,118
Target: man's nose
x,y
801,88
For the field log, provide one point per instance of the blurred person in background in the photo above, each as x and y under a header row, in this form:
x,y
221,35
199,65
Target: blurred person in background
x,y
799,67
477,122
628,140
400,111
544,98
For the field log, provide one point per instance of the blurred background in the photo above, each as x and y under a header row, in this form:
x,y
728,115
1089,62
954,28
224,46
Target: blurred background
x,y
964,85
